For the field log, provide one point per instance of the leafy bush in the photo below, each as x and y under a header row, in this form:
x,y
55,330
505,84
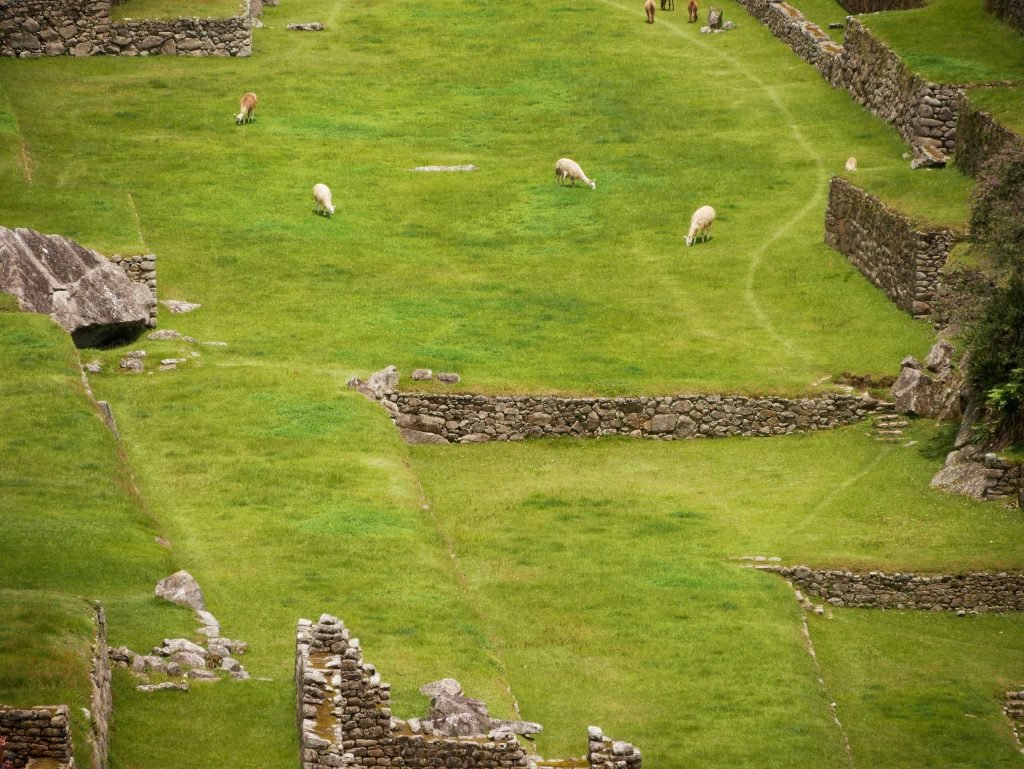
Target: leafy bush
x,y
995,335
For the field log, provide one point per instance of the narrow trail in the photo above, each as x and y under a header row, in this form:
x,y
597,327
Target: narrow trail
x,y
818,188
25,150
832,707
850,481
462,581
138,223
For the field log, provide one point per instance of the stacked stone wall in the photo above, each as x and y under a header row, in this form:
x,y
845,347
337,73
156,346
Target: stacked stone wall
x,y
1003,479
42,733
807,40
924,113
979,137
344,717
141,269
476,418
30,28
874,6
977,592
1010,11
905,263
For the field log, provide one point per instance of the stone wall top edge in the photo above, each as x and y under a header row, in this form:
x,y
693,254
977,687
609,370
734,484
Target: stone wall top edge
x,y
634,398
842,181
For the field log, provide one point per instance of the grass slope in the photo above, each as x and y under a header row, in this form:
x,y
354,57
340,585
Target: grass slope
x,y
499,274
587,582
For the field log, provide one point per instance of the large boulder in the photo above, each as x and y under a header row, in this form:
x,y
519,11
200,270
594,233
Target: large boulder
x,y
932,389
88,295
181,588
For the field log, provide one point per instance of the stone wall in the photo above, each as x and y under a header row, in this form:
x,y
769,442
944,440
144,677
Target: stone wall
x,y
477,418
905,263
30,28
1010,11
979,137
924,113
874,6
344,718
40,733
101,705
141,269
976,592
807,40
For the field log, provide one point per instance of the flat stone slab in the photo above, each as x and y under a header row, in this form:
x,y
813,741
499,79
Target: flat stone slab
x,y
468,167
314,26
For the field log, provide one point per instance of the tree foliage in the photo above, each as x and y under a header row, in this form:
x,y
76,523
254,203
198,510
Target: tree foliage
x,y
995,335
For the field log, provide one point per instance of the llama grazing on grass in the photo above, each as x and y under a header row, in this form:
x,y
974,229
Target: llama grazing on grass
x,y
700,224
246,109
649,10
322,196
693,10
570,169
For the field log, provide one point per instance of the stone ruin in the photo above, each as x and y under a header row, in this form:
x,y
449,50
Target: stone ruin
x,y
181,658
345,720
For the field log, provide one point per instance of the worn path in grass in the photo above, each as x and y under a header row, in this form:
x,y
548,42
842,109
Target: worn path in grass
x,y
607,599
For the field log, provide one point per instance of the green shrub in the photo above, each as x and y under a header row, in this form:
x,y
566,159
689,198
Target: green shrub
x,y
995,336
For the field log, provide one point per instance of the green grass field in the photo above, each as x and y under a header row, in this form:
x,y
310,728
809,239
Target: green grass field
x,y
584,582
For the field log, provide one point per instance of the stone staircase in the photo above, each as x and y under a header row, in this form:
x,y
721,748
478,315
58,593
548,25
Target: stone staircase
x,y
1014,709
888,428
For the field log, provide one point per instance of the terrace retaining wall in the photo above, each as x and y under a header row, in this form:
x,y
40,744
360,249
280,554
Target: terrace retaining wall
x,y
904,262
30,28
924,113
344,717
141,269
38,733
978,591
1010,11
979,137
478,418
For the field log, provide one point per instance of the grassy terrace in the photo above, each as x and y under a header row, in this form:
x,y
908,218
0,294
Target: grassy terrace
x,y
983,50
169,9
586,582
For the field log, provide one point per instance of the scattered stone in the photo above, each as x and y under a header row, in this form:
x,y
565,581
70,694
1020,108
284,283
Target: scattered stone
x,y
449,378
927,157
313,26
837,25
164,334
134,365
933,390
715,18
380,383
172,361
216,344
93,367
181,588
422,374
166,686
447,687
419,437
199,674
177,307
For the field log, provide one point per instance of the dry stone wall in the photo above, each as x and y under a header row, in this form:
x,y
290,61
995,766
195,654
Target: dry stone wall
x,y
344,718
874,6
924,113
979,137
141,269
42,733
905,263
30,28
1010,11
478,418
974,592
